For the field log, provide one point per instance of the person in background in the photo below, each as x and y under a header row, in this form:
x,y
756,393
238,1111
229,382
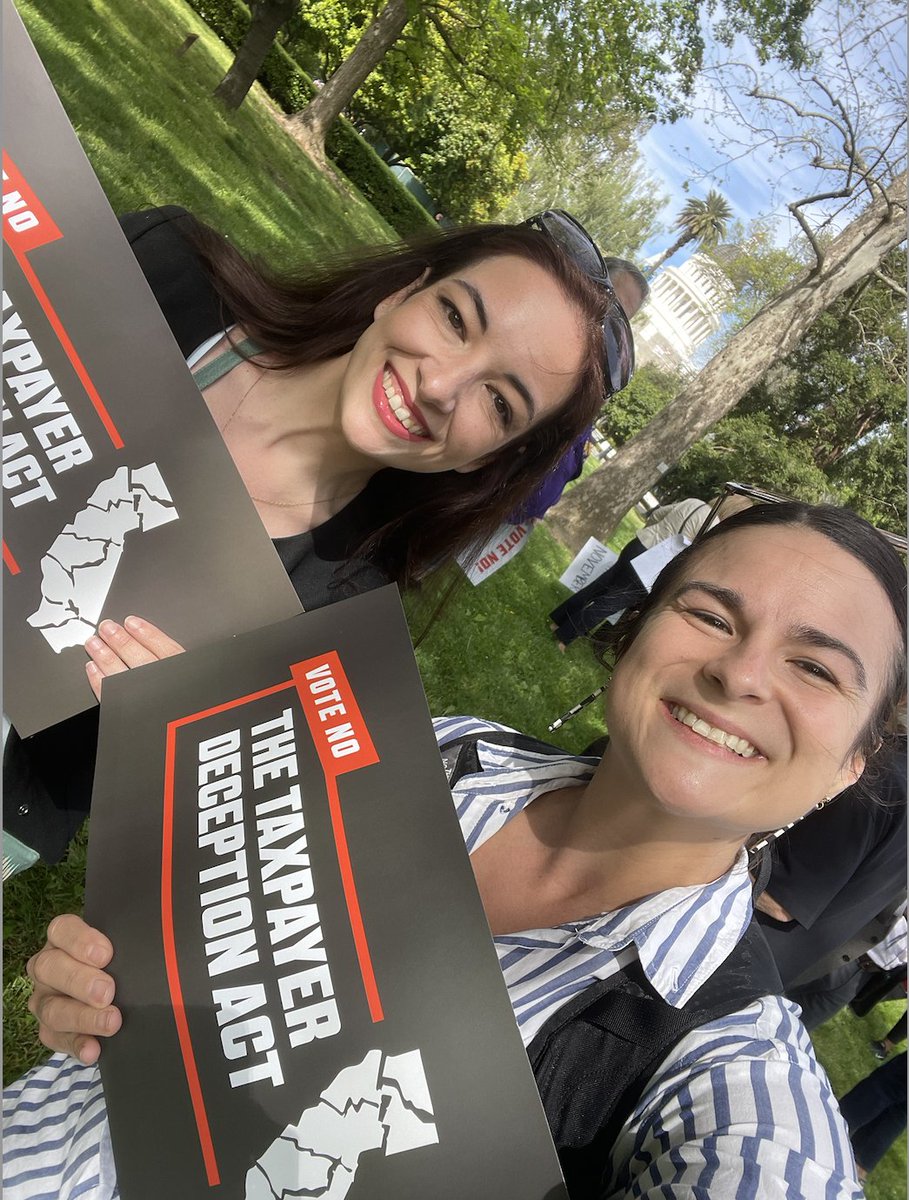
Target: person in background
x,y
620,586
889,1042
835,873
875,1111
857,973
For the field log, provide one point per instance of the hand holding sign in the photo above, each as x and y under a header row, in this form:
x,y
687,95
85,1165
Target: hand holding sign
x,y
73,996
117,648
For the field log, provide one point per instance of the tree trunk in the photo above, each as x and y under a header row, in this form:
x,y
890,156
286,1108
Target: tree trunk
x,y
266,20
311,124
682,241
598,505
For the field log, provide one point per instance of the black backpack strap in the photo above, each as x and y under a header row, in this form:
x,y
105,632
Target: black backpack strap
x,y
595,1056
460,758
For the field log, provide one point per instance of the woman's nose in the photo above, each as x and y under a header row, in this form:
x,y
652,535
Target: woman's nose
x,y
742,670
440,383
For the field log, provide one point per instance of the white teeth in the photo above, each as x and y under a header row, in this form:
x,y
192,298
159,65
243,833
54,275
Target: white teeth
x,y
399,408
738,745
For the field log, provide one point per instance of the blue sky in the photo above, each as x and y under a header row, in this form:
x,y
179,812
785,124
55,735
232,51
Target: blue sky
x,y
696,149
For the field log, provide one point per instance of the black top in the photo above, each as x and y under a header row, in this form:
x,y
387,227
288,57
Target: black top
x,y
47,779
321,564
839,868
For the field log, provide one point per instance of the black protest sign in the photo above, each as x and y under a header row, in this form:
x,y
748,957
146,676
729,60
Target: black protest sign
x,y
312,1002
119,495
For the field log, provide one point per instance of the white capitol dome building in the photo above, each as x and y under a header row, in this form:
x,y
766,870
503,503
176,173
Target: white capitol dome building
x,y
683,310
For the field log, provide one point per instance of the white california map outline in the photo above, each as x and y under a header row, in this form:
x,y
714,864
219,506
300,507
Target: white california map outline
x,y
381,1103
79,567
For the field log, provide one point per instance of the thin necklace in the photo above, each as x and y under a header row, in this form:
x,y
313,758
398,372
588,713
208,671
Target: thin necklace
x,y
280,503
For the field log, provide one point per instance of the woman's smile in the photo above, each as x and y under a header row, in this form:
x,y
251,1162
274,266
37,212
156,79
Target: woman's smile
x,y
457,369
743,696
396,410
711,738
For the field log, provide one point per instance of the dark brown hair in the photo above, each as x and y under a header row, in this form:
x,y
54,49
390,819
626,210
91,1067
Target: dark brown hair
x,y
422,520
842,527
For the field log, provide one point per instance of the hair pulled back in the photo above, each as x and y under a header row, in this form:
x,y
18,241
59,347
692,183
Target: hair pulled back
x,y
845,529
422,521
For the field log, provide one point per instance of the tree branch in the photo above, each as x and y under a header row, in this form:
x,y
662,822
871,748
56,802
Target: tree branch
x,y
891,283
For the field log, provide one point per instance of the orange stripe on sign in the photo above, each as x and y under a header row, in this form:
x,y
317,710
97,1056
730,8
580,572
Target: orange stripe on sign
x,y
352,900
364,755
69,350
27,225
172,968
11,565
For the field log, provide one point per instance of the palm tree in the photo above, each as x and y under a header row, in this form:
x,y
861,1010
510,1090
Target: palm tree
x,y
701,221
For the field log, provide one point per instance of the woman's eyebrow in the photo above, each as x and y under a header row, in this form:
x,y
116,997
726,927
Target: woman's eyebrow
x,y
726,596
518,384
807,634
825,641
478,304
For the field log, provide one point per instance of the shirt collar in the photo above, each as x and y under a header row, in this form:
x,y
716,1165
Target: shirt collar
x,y
681,935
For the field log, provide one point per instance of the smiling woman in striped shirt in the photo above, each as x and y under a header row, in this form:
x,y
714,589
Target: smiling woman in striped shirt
x,y
755,683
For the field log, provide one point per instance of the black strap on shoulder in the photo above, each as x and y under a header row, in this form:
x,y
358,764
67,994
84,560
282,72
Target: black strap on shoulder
x,y
595,1056
460,758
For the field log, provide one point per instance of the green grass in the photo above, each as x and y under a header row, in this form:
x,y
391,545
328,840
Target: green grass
x,y
155,135
843,1047
491,653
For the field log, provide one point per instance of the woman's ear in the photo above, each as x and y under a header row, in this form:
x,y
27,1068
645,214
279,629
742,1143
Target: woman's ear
x,y
850,773
391,302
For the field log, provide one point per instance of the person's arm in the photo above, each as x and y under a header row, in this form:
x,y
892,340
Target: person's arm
x,y
73,996
740,1108
766,904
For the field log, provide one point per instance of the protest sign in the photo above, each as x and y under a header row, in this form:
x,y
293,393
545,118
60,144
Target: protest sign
x,y
312,1003
649,564
498,549
587,565
119,495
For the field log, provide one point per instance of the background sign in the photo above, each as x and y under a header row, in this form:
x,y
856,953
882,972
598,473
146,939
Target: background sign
x,y
648,565
312,1002
587,565
119,495
498,549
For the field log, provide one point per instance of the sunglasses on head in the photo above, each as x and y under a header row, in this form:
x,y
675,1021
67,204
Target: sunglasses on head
x,y
573,238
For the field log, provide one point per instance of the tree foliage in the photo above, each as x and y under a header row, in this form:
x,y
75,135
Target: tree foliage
x,y
600,501
828,419
450,96
481,77
839,127
643,56
601,179
703,221
628,412
758,268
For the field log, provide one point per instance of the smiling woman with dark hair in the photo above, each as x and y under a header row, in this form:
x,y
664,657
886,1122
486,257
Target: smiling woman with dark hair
x,y
385,414
754,683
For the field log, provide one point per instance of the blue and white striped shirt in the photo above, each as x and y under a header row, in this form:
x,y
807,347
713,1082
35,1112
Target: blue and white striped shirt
x,y
739,1109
